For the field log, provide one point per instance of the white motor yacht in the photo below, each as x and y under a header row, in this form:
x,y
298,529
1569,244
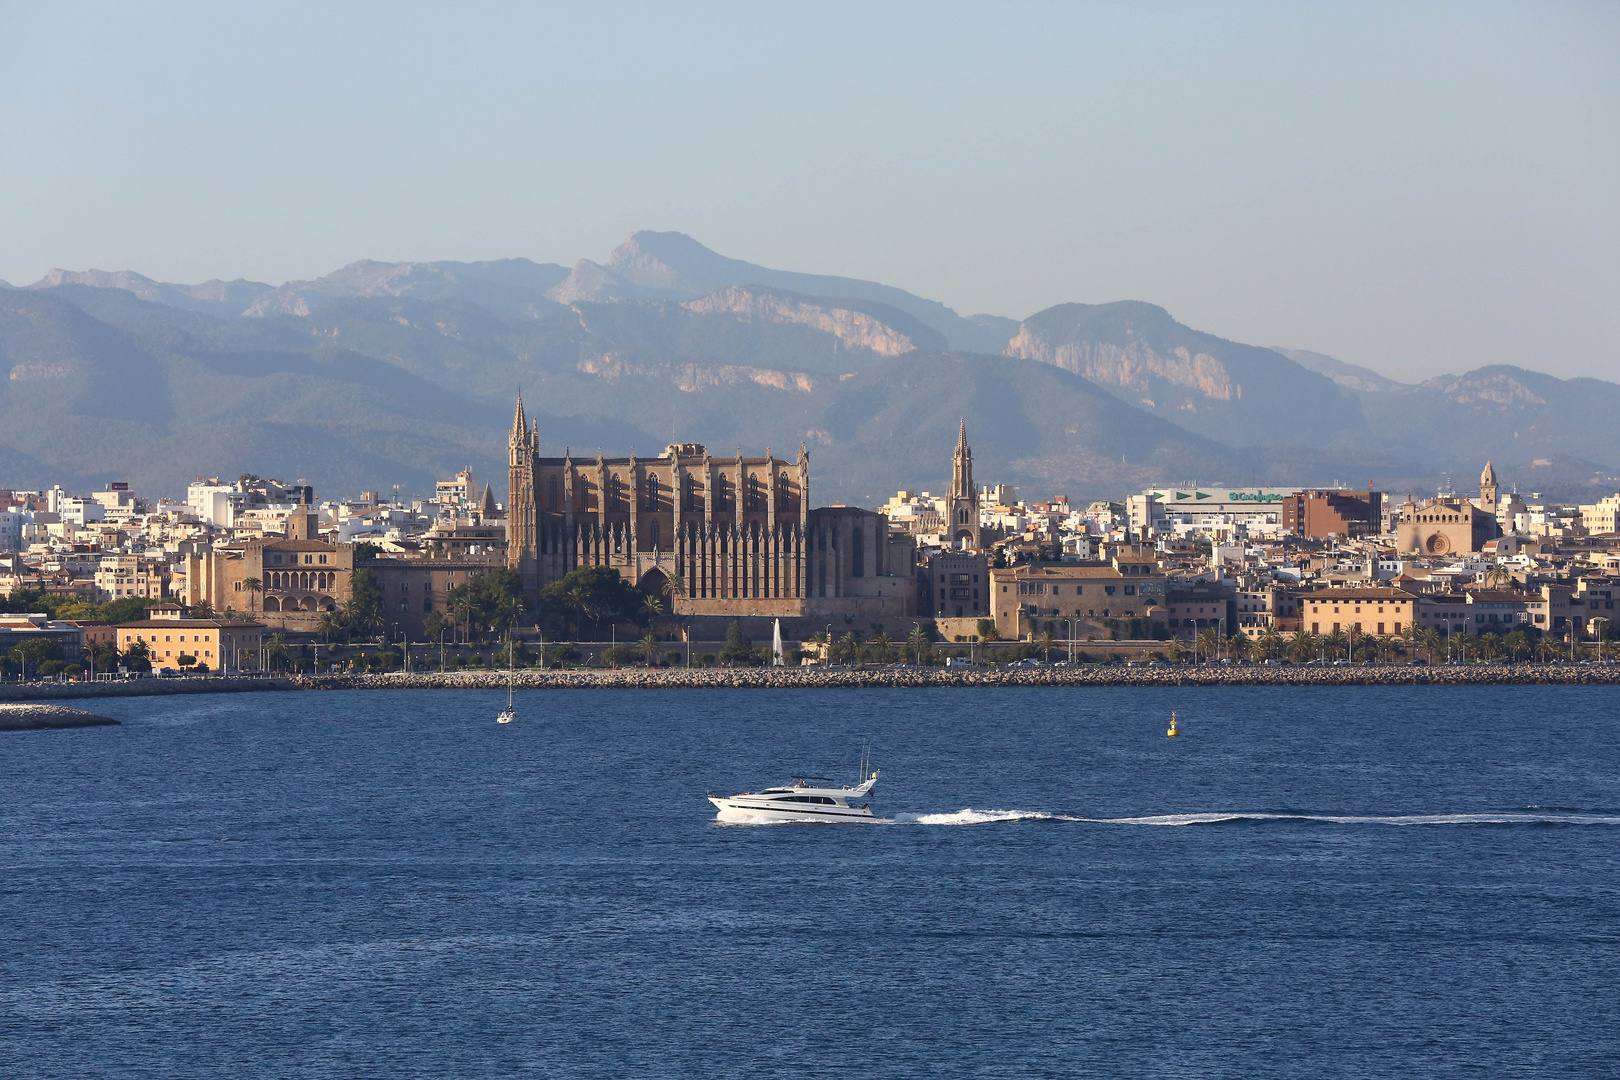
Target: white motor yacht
x,y
804,798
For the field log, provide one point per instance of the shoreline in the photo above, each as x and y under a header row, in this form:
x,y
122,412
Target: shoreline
x,y
917,678
814,679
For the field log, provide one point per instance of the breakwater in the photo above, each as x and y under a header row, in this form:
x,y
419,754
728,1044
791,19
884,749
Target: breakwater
x,y
37,717
52,691
909,678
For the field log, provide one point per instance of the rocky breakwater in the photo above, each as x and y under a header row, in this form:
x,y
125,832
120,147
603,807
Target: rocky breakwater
x,y
194,684
37,717
914,677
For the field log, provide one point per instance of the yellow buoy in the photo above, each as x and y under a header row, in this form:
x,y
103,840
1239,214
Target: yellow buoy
x,y
1174,731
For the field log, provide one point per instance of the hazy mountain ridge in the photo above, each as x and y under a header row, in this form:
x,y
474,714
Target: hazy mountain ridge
x,y
402,372
1240,394
1349,376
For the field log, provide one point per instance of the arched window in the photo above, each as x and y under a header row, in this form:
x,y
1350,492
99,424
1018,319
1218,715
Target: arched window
x,y
653,535
652,493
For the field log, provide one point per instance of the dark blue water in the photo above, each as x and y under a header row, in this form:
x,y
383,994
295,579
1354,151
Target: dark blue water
x,y
388,884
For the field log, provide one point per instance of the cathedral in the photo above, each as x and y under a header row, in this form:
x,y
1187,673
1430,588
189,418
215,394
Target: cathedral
x,y
716,536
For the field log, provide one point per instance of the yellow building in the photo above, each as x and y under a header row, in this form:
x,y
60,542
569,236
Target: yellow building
x,y
1024,598
1381,612
222,646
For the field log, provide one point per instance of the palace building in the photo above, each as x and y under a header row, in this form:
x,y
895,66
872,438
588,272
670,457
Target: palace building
x,y
720,536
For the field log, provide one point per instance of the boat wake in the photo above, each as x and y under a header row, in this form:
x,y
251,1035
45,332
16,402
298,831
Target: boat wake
x,y
1529,816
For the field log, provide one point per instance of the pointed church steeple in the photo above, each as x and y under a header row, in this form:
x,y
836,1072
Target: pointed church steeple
x,y
962,504
520,423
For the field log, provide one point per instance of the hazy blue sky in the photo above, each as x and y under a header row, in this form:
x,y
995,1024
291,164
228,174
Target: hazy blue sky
x,y
1417,187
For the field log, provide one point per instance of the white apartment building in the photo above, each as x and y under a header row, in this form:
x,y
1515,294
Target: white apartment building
x,y
120,576
11,528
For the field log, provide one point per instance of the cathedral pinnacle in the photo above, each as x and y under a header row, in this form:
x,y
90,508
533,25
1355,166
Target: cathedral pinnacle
x,y
520,423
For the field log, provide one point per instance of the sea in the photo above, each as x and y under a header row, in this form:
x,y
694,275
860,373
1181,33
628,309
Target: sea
x,y
1307,882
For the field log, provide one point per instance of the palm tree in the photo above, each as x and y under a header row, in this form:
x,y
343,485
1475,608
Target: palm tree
x,y
882,649
1301,646
1271,643
1517,642
917,640
252,585
1207,641
1239,646
327,624
276,650
1498,577
649,646
1045,643
651,607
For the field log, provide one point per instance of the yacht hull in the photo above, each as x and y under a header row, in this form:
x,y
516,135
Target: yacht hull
x,y
746,811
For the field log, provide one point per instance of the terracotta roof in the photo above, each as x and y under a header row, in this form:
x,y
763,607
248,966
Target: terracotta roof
x,y
196,624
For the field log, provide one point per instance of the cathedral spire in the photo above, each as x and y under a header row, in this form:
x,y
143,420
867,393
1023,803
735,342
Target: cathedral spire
x,y
961,437
520,423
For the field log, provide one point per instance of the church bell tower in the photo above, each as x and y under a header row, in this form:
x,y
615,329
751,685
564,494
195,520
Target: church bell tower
x,y
962,504
522,533
1487,489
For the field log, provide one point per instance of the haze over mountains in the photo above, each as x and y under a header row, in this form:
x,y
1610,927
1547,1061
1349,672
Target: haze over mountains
x,y
385,373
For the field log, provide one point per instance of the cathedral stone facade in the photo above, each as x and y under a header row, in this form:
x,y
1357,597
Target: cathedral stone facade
x,y
728,537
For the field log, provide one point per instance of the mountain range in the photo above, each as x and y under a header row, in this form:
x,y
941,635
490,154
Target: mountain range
x,y
399,373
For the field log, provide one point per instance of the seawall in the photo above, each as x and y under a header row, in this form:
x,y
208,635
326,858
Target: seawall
x,y
906,678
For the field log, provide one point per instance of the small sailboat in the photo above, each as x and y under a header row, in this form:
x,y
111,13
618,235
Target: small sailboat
x,y
508,714
1174,731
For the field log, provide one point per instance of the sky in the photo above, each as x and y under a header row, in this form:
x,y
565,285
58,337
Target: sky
x,y
1417,187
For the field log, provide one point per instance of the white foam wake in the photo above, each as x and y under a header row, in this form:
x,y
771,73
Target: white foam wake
x,y
970,816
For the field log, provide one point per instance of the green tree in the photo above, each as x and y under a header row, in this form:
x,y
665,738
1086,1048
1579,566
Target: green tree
x,y
594,595
276,651
881,649
31,655
917,641
739,647
1271,643
331,623
847,649
1045,643
363,610
1301,646
137,658
252,586
649,648
185,661
987,630
488,602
